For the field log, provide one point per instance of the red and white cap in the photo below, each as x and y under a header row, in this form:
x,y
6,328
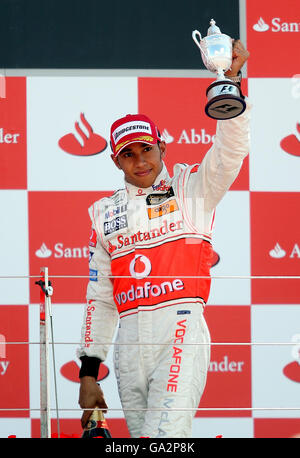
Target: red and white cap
x,y
132,129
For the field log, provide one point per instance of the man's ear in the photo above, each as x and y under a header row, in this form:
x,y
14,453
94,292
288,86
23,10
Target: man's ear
x,y
115,160
163,149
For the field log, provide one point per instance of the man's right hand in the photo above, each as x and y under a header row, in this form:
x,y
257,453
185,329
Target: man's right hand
x,y
90,396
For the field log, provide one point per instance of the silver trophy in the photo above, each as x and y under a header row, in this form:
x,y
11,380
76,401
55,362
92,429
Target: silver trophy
x,y
225,100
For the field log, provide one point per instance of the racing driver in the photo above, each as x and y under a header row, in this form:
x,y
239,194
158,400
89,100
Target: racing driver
x,y
150,242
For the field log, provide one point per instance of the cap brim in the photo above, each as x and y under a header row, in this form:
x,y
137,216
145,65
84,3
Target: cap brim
x,y
148,139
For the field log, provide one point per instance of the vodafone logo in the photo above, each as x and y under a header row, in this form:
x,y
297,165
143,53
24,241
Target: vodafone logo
x,y
278,252
83,142
140,267
277,25
291,143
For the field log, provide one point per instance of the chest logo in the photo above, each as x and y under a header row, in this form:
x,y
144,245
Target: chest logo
x,y
161,210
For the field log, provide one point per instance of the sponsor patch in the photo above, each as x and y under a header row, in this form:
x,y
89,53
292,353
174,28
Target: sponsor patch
x,y
183,312
129,128
113,211
115,224
161,186
93,275
168,207
157,198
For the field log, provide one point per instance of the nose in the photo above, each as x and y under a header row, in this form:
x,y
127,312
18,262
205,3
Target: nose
x,y
140,160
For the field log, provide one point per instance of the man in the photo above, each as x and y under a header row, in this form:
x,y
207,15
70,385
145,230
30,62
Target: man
x,y
149,241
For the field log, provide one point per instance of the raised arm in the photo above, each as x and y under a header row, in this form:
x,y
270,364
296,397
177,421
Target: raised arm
x,y
223,161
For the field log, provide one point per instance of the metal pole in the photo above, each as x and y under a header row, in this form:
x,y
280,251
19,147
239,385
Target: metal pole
x,y
49,292
44,362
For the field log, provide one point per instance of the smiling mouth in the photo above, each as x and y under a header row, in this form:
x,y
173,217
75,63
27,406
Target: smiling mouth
x,y
144,173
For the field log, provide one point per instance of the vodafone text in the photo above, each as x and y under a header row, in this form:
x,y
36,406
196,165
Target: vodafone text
x,y
173,376
148,289
176,358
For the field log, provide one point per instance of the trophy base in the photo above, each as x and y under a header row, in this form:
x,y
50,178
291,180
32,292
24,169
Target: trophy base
x,y
225,100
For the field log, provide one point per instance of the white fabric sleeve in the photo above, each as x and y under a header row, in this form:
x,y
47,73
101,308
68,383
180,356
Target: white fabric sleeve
x,y
100,314
223,161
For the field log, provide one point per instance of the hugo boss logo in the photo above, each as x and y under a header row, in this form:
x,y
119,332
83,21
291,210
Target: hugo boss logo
x,y
115,225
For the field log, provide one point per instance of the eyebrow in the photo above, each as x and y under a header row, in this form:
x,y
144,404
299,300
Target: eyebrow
x,y
128,149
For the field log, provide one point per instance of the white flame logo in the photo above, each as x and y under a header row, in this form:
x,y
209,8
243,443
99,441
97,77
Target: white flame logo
x,y
166,137
261,26
277,252
43,251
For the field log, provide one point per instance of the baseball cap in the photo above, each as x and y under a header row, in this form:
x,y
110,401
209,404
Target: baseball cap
x,y
130,129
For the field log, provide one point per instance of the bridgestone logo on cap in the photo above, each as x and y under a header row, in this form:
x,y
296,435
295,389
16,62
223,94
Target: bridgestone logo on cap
x,y
129,128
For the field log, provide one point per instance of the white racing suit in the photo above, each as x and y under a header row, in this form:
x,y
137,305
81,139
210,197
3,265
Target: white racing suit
x,y
145,248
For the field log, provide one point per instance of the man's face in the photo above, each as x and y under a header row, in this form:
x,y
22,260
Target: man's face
x,y
141,163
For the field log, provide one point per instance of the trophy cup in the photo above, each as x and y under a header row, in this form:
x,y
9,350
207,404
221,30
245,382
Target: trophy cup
x,y
225,100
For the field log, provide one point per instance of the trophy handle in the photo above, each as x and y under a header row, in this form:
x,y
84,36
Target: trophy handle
x,y
195,36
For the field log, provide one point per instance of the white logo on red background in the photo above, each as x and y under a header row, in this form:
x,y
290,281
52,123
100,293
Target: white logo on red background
x,y
261,26
189,137
291,143
166,137
278,252
277,25
8,137
140,267
60,251
84,142
3,361
292,370
226,365
43,251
